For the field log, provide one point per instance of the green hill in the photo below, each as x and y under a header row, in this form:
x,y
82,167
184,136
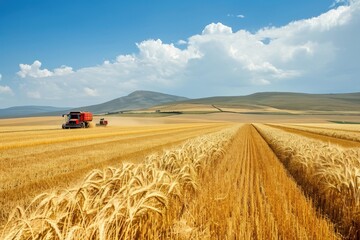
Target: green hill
x,y
133,101
287,101
269,102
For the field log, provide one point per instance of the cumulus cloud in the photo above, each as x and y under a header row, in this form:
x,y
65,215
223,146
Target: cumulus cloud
x,y
6,90
63,70
34,71
181,42
319,54
216,28
90,92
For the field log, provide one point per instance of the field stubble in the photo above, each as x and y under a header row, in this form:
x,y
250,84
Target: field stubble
x,y
226,185
249,195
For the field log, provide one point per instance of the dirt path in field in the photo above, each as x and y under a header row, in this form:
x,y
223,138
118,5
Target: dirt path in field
x,y
318,136
28,171
249,195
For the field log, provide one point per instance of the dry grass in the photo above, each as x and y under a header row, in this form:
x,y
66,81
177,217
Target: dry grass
x,y
328,173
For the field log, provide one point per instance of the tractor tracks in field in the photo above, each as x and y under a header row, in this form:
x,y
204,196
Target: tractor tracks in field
x,y
253,196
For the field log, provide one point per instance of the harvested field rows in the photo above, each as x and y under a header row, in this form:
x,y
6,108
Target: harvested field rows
x,y
336,133
325,136
328,173
249,195
332,126
35,161
225,185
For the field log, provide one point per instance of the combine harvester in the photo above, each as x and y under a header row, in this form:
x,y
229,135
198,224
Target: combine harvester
x,y
81,120
77,120
102,123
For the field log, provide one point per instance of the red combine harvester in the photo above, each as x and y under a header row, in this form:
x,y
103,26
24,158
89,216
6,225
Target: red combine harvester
x,y
77,120
102,123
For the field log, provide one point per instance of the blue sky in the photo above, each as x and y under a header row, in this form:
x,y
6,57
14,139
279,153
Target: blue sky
x,y
73,53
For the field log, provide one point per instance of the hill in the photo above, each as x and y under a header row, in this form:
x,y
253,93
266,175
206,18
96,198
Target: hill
x,y
23,111
133,101
266,102
278,101
289,101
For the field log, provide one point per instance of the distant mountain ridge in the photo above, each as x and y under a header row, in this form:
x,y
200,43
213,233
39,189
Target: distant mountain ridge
x,y
136,100
257,101
23,111
289,101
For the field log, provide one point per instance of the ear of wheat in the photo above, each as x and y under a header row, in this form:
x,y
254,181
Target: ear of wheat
x,y
328,173
132,201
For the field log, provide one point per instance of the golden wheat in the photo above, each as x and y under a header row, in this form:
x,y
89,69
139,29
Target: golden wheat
x,y
121,203
329,173
249,195
28,171
223,185
331,132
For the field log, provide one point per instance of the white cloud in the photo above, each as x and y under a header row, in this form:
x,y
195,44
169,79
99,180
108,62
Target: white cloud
x,y
90,92
6,90
0,76
216,28
63,70
34,71
319,54
182,42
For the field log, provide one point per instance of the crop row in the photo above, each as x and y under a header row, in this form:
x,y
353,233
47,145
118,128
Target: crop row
x,y
328,173
248,194
337,133
129,202
28,171
343,127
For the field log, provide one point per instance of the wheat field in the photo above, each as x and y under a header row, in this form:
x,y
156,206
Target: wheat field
x,y
328,171
179,181
37,160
